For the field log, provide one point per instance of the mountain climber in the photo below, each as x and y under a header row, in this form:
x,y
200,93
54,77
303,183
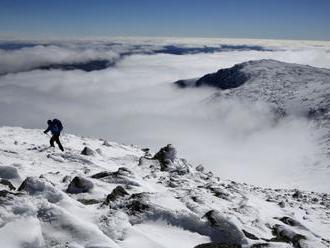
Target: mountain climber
x,y
55,127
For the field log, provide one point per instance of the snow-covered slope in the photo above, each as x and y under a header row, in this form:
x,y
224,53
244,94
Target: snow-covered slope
x,y
122,196
291,89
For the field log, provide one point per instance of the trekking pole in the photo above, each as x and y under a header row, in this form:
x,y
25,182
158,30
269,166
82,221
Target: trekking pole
x,y
47,134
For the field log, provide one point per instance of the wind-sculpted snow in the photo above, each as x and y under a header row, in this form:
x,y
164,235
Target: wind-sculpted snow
x,y
164,208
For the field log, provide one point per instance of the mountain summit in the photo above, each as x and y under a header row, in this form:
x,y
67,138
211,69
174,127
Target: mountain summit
x,y
300,90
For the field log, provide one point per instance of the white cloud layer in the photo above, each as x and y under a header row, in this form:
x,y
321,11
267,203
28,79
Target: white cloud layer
x,y
28,58
136,102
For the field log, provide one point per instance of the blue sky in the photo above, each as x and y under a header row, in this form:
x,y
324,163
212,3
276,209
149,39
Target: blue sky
x,y
279,19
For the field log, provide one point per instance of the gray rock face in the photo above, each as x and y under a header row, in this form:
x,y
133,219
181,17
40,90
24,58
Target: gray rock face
x,y
121,172
137,204
122,176
8,172
106,143
297,194
283,234
200,168
227,232
87,151
8,184
116,193
39,186
166,156
225,78
79,185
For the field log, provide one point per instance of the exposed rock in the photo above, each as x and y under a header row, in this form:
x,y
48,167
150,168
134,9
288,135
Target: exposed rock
x,y
79,185
209,174
297,194
101,174
284,234
250,235
116,193
121,176
142,161
227,78
146,152
227,232
282,204
122,171
37,186
88,201
137,203
66,179
106,143
8,184
200,168
8,172
166,156
87,151
4,193
291,222
99,151
87,170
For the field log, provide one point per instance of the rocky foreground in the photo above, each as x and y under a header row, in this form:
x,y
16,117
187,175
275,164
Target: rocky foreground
x,y
103,194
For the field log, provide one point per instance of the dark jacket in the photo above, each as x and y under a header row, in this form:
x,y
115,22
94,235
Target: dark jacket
x,y
55,127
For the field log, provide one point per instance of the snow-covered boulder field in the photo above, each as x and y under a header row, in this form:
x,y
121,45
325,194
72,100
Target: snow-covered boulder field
x,y
124,196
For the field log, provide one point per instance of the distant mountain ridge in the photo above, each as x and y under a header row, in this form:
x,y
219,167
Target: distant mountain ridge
x,y
290,88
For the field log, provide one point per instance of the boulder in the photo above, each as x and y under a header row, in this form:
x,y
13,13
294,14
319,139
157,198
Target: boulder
x,y
8,172
226,231
121,172
79,185
283,234
116,193
87,151
297,194
101,174
137,203
200,168
66,179
106,143
166,156
282,204
37,186
291,222
5,193
121,176
250,235
8,184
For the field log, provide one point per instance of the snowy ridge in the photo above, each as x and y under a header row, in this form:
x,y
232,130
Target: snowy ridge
x,y
300,90
121,196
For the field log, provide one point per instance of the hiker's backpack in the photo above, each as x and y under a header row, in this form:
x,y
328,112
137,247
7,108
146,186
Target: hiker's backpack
x,y
57,124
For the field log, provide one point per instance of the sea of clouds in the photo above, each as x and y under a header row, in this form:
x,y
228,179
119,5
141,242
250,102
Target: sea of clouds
x,y
134,101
